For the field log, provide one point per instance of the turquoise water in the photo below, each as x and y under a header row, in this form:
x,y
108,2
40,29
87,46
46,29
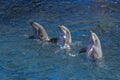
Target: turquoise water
x,y
25,59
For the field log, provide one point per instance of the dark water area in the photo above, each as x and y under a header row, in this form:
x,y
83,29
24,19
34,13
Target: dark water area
x,y
24,59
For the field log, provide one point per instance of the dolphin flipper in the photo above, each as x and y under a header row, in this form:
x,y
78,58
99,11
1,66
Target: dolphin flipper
x,y
31,37
53,40
90,52
83,50
61,41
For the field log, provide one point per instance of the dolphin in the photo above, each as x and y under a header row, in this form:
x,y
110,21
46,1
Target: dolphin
x,y
38,32
64,39
93,50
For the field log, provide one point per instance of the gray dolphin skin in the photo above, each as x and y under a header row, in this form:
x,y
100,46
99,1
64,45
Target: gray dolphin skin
x,y
39,32
94,49
64,39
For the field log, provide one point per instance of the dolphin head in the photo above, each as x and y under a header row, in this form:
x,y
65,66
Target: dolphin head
x,y
65,36
93,38
94,49
39,31
63,29
66,33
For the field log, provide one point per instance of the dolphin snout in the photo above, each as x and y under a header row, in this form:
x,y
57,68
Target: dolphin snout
x,y
91,31
31,22
60,26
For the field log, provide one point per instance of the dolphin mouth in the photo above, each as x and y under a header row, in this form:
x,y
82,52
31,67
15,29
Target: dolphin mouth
x,y
91,32
31,22
59,25
61,28
91,36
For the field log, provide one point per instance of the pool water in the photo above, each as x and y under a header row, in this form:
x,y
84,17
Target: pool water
x,y
27,59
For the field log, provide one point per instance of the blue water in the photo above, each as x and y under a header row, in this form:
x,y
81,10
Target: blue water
x,y
25,59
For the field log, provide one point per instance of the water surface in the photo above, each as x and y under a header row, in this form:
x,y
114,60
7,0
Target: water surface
x,y
25,59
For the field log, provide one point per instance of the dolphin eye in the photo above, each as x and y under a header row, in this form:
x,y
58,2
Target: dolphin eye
x,y
95,40
67,32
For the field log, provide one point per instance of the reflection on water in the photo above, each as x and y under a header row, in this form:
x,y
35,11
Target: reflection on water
x,y
24,59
